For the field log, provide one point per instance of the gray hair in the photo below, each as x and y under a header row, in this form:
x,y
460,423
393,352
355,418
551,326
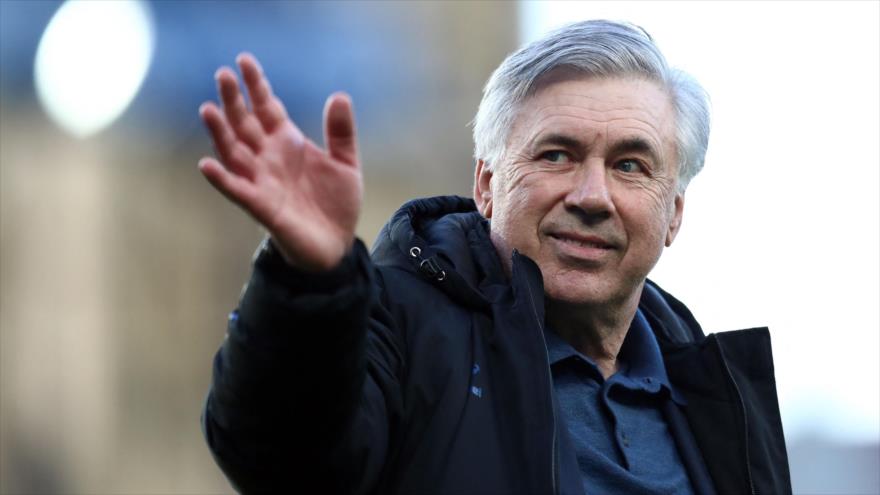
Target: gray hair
x,y
595,48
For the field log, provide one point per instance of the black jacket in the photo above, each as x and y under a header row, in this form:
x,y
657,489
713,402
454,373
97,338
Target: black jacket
x,y
424,370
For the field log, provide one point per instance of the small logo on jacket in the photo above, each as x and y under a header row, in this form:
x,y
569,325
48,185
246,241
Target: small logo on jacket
x,y
477,391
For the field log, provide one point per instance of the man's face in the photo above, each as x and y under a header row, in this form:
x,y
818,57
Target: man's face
x,y
587,187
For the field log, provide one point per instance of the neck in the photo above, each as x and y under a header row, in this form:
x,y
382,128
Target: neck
x,y
597,331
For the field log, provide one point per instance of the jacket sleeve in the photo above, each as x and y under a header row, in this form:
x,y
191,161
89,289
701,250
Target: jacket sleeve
x,y
304,391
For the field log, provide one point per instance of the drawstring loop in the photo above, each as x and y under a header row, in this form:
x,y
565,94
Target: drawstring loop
x,y
428,266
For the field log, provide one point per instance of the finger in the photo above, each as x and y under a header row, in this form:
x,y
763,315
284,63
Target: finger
x,y
233,152
245,125
267,107
236,188
339,129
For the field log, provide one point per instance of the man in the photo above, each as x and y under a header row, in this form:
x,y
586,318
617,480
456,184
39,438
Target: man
x,y
510,344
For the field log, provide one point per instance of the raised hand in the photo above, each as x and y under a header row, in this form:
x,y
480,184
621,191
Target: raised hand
x,y
307,198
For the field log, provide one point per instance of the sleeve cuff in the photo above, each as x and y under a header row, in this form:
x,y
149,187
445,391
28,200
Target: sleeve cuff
x,y
279,295
271,265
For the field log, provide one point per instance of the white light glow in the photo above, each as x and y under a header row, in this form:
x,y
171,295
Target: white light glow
x,y
91,61
782,228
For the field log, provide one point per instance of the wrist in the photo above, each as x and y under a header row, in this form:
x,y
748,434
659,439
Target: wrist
x,y
325,258
270,260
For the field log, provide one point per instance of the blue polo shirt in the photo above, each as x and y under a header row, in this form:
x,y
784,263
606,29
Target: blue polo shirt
x,y
617,427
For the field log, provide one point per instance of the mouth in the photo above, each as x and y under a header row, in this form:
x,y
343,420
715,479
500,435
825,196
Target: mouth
x,y
584,241
581,247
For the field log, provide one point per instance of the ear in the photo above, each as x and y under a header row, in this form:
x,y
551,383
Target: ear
x,y
483,188
675,222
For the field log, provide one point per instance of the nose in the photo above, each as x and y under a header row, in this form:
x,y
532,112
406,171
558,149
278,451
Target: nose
x,y
588,195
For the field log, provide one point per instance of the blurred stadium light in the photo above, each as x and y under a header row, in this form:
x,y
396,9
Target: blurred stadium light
x,y
91,62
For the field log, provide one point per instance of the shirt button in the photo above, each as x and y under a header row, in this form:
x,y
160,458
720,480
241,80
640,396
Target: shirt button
x,y
625,440
648,380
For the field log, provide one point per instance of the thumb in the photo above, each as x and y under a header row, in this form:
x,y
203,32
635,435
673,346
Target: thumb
x,y
339,129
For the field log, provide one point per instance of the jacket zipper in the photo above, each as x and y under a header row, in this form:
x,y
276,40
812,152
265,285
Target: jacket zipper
x,y
550,388
745,418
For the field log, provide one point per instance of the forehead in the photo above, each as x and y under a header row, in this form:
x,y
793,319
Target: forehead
x,y
597,108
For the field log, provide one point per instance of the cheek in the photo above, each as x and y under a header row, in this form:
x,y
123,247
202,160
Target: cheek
x,y
648,214
520,201
517,191
654,198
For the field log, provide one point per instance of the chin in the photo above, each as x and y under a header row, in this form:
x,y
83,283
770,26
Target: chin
x,y
588,289
576,292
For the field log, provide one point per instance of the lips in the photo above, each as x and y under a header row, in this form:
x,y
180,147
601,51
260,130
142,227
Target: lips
x,y
585,241
592,250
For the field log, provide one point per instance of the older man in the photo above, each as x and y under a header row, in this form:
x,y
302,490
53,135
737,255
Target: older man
x,y
510,344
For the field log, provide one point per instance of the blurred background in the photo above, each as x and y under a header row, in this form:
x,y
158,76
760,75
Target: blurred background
x,y
119,263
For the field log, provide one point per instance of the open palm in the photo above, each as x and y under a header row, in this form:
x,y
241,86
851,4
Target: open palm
x,y
307,198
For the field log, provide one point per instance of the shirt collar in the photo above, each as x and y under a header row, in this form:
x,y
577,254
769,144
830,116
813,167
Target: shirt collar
x,y
558,349
641,362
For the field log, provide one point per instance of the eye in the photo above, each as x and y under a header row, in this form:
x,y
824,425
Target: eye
x,y
629,166
555,156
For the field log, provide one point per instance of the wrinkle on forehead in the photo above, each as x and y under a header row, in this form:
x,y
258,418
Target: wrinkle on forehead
x,y
617,103
549,112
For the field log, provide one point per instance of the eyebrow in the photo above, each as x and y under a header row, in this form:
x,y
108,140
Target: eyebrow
x,y
636,145
561,140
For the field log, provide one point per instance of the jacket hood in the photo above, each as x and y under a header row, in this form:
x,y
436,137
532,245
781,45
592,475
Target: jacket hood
x,y
446,240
